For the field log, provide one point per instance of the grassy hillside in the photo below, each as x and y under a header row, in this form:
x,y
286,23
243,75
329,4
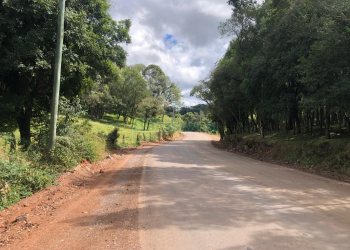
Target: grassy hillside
x,y
128,133
99,129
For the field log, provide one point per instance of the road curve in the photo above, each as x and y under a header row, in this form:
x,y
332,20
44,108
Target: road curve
x,y
194,196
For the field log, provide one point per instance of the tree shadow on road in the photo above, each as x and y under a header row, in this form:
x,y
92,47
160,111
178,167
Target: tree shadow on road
x,y
192,186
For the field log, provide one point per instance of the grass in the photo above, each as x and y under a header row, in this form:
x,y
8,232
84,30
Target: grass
x,y
101,128
24,172
128,134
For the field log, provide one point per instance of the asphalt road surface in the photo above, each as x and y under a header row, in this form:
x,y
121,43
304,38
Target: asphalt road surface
x,y
194,196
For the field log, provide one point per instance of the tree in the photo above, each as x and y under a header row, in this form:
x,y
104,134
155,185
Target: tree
x,y
157,81
27,42
97,100
129,92
287,67
149,108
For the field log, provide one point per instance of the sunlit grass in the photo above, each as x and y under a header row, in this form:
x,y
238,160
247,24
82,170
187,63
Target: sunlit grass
x,y
99,129
130,135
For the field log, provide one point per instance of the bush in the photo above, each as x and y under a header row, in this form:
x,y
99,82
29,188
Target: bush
x,y
64,155
138,140
70,149
112,138
19,180
169,130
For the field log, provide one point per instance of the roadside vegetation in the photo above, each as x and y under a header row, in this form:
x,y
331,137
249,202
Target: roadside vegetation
x,y
197,119
23,172
318,155
104,105
285,82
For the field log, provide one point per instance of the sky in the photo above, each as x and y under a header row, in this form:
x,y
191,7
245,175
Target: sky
x,y
181,36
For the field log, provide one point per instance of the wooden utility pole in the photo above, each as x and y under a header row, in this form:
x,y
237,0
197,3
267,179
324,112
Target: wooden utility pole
x,y
57,75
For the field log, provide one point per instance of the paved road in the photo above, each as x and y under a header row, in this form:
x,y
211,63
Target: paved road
x,y
194,196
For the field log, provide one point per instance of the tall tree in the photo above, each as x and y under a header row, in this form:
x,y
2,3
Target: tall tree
x,y
287,67
129,92
157,81
27,42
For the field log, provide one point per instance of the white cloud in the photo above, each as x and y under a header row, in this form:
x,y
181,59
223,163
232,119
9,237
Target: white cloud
x,y
192,24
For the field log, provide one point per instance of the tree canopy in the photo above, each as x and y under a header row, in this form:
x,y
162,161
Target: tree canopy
x,y
287,68
27,46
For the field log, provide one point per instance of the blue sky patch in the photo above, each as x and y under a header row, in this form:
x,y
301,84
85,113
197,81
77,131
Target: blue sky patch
x,y
169,41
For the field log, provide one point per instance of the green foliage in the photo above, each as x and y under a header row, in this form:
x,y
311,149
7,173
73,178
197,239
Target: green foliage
x,y
169,131
71,146
78,140
138,140
287,68
70,111
97,100
158,82
149,108
19,180
9,142
128,92
198,122
27,46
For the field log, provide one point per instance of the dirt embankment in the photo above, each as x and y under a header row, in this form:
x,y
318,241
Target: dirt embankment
x,y
67,213
322,158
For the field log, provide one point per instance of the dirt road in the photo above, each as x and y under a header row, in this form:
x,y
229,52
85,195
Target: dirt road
x,y
187,195
194,196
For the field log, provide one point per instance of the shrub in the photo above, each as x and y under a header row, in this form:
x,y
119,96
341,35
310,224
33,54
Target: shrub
x,y
64,155
19,180
169,130
112,138
138,140
70,149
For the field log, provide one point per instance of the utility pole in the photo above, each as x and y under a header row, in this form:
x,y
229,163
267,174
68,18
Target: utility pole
x,y
57,75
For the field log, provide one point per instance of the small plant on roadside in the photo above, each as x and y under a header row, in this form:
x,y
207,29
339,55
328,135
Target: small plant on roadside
x,y
112,138
138,139
169,131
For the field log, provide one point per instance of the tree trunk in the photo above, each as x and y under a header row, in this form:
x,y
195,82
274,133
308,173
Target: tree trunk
x,y
321,120
221,130
148,124
307,121
328,121
297,122
24,117
312,118
340,117
254,123
262,128
145,123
